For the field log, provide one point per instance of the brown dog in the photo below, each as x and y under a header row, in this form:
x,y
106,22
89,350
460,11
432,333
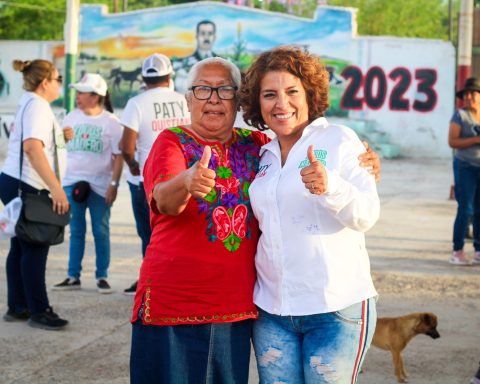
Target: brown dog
x,y
394,333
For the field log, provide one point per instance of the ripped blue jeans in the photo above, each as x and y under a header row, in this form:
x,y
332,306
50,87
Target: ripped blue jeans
x,y
324,348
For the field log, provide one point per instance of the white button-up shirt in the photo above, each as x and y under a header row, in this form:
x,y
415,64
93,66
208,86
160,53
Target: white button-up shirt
x,y
311,257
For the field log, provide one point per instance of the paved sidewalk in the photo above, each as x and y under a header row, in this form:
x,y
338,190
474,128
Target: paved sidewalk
x,y
409,248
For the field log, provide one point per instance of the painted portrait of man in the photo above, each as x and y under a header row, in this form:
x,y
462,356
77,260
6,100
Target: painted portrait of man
x,y
205,36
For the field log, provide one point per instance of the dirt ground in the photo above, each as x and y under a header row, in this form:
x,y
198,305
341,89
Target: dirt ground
x,y
409,248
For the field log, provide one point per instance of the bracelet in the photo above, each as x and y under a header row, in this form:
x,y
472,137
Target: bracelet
x,y
114,183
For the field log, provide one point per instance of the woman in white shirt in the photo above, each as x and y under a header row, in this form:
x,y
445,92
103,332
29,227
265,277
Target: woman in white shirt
x,y
37,127
94,158
314,202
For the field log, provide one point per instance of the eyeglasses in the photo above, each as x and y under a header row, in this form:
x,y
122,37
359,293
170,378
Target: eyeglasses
x,y
59,79
204,92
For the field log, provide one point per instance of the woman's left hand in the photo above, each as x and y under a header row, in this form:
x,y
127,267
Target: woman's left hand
x,y
371,161
68,134
111,194
314,176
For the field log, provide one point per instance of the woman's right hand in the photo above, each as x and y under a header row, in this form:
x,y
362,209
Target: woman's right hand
x,y
200,179
68,134
60,201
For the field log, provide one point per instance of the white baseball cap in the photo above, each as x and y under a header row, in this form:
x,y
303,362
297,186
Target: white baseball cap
x,y
91,82
157,65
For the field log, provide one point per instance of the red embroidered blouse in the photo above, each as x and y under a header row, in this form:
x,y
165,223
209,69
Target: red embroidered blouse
x,y
199,266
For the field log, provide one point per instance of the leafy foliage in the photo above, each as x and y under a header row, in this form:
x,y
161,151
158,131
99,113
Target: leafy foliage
x,y
44,19
35,19
406,18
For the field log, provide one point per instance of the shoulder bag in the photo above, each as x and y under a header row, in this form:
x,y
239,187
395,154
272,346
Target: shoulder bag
x,y
38,223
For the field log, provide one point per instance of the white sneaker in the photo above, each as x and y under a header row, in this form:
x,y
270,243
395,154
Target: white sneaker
x,y
459,258
476,260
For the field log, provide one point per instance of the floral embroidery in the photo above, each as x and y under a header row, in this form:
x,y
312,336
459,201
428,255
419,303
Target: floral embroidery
x,y
227,206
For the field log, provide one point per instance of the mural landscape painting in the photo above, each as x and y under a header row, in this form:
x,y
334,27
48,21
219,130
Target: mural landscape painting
x,y
114,45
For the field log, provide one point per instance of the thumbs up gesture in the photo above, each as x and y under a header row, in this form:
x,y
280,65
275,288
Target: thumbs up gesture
x,y
314,176
200,179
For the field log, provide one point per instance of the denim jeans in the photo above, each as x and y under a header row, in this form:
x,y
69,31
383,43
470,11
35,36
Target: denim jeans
x,y
322,348
141,213
100,219
467,193
26,263
215,353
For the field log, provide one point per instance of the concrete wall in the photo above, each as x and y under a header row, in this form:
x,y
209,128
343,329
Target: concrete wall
x,y
11,81
415,77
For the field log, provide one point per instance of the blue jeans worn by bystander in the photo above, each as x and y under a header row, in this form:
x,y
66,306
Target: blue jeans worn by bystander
x,y
100,218
467,193
322,349
214,353
141,213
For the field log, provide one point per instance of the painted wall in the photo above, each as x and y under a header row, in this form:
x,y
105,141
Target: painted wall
x,y
400,88
11,81
415,101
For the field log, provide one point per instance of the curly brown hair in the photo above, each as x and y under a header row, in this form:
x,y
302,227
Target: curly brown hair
x,y
304,65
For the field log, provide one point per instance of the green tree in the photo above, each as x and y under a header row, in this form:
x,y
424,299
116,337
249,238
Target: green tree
x,y
406,18
35,19
31,19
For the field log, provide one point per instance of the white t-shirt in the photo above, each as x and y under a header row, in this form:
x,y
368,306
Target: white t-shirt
x,y
149,113
90,151
311,256
38,122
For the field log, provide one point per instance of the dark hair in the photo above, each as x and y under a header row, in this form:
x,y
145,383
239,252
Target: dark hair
x,y
155,80
34,72
107,103
206,22
304,65
104,101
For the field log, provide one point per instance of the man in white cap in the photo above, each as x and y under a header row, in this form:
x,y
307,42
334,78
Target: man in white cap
x,y
144,118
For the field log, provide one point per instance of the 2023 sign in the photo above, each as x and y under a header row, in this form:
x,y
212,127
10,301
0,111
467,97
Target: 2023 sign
x,y
375,89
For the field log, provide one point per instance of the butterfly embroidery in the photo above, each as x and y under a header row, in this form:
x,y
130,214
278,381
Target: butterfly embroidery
x,y
226,224
227,207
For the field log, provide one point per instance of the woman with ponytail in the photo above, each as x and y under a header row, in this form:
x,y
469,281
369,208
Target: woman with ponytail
x,y
92,178
33,141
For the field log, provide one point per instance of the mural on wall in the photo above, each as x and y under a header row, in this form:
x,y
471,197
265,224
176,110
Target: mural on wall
x,y
4,84
398,93
114,45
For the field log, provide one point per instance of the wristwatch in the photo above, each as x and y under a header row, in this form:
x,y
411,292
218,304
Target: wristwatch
x,y
114,183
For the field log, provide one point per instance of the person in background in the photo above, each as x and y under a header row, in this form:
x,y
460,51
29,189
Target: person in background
x,y
193,309
95,161
314,292
144,117
141,216
139,208
464,137
36,125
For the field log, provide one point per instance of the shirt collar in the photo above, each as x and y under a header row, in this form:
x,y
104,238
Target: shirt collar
x,y
315,125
